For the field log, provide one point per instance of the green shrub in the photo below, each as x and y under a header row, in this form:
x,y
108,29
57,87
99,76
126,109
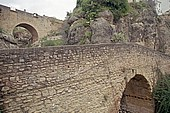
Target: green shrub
x,y
43,39
3,31
87,35
162,94
53,33
45,42
52,42
139,5
68,14
118,37
78,12
82,41
136,8
93,7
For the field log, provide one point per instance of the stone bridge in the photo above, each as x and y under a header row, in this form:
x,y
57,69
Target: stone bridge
x,y
38,26
106,78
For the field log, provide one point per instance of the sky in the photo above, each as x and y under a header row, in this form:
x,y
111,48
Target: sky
x,y
52,8
55,8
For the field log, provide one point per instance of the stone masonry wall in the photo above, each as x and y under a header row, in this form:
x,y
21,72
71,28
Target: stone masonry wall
x,y
73,79
9,19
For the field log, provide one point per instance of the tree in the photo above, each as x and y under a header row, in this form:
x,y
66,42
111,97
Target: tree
x,y
92,7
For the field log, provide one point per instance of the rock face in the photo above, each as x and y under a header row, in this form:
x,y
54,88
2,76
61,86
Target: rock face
x,y
142,26
81,31
107,15
102,31
139,26
19,40
147,29
23,37
164,33
7,41
77,32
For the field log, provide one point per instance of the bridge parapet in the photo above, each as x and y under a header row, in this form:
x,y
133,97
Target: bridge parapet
x,y
67,78
10,18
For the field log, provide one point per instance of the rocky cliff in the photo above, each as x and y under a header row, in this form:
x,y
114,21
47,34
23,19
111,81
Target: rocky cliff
x,y
7,41
140,25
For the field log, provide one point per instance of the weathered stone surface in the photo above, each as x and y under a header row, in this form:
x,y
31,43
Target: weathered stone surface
x,y
102,31
8,38
163,40
85,79
39,26
72,19
7,41
107,15
78,31
140,27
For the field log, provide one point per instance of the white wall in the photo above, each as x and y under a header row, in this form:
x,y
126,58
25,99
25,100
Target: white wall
x,y
162,6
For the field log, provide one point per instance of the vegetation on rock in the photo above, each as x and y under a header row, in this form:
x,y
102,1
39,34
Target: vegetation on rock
x,y
91,8
3,31
45,42
23,37
88,12
7,40
162,94
118,37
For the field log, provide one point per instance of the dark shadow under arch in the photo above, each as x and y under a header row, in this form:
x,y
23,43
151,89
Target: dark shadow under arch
x,y
137,96
31,29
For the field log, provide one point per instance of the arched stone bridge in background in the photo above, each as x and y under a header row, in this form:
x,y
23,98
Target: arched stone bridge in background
x,y
105,78
38,26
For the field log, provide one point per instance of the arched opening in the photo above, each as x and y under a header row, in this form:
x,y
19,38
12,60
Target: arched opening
x,y
137,97
25,34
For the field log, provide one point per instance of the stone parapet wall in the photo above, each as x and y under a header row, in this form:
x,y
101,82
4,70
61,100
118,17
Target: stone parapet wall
x,y
10,18
73,79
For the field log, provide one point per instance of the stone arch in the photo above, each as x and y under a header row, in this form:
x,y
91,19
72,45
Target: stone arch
x,y
137,96
31,29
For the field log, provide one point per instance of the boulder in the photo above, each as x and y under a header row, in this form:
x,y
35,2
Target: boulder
x,y
79,32
107,15
102,31
8,38
7,41
137,30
